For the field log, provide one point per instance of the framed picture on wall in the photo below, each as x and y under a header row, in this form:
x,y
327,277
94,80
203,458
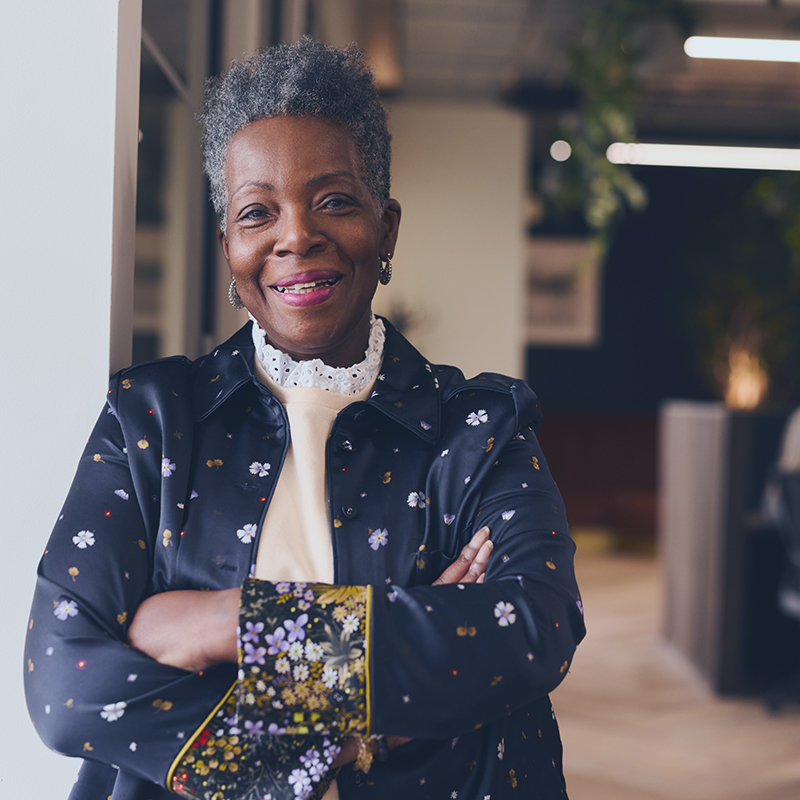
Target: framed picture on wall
x,y
563,276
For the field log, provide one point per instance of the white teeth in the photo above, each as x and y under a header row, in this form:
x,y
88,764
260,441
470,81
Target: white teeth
x,y
305,288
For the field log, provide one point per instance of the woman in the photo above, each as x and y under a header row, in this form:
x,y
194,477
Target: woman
x,y
306,482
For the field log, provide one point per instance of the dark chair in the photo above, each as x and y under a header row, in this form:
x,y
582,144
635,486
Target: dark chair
x,y
781,506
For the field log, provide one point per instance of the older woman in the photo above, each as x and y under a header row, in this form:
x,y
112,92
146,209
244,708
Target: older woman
x,y
310,483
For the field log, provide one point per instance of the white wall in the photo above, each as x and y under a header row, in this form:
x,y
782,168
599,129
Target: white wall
x,y
68,167
459,174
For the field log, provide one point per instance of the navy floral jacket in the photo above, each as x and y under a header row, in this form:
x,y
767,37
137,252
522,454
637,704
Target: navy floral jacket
x,y
170,494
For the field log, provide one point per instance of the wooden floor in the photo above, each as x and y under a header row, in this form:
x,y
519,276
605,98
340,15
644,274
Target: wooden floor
x,y
639,724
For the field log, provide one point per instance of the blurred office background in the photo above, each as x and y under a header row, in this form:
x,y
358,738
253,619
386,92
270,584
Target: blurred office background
x,y
654,309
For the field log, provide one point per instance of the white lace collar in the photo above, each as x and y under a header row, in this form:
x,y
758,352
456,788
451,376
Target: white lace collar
x,y
287,372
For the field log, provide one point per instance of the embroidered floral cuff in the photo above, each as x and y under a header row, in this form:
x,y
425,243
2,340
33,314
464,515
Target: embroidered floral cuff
x,y
224,762
303,660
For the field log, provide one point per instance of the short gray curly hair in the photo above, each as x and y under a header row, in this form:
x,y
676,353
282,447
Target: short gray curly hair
x,y
303,78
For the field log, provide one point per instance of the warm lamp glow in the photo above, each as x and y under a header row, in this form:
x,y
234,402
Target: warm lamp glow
x,y
747,379
690,155
740,49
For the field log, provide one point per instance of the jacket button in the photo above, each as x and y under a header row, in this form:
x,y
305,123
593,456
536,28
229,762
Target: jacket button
x,y
345,444
349,512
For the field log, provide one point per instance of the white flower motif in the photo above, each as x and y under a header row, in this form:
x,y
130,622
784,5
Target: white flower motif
x,y
313,651
467,479
113,711
448,519
445,452
66,608
350,624
378,538
83,539
262,470
247,533
579,603
167,467
506,515
475,418
416,500
282,665
121,493
330,677
47,709
505,614
132,747
501,749
132,677
49,651
296,651
300,672
454,795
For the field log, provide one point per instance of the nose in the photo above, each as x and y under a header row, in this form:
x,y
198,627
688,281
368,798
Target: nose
x,y
298,234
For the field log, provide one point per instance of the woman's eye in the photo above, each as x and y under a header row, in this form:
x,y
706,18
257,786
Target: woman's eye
x,y
252,215
337,203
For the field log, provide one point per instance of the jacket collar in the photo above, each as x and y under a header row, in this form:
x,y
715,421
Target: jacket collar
x,y
406,389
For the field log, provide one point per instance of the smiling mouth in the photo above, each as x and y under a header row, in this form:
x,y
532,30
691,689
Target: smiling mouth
x,y
305,288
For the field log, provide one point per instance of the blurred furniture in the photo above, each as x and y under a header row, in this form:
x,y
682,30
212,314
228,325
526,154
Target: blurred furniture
x,y
605,468
721,561
781,508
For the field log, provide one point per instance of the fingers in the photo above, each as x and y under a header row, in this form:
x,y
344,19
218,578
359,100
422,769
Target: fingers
x,y
464,568
477,568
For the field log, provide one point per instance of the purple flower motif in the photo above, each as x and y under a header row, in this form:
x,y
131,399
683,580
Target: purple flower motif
x,y
252,632
275,730
282,588
254,728
277,641
378,538
309,757
295,629
301,782
254,655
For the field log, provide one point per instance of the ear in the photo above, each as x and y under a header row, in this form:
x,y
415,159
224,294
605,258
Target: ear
x,y
390,222
223,241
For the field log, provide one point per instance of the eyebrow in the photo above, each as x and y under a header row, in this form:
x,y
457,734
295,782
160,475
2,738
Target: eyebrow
x,y
341,173
258,184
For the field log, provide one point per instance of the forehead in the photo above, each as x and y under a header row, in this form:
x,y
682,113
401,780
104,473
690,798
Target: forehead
x,y
284,147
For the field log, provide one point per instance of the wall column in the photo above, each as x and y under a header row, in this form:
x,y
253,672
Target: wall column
x,y
68,152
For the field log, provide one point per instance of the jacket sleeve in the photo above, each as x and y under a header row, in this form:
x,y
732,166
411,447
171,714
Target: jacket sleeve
x,y
430,661
90,694
446,659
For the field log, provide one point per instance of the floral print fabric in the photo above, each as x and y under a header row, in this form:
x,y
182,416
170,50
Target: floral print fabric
x,y
303,658
226,762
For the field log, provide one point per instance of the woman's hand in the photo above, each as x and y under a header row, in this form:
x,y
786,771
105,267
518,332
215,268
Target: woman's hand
x,y
192,630
469,567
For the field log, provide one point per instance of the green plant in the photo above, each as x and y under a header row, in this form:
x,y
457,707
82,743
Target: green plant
x,y
603,67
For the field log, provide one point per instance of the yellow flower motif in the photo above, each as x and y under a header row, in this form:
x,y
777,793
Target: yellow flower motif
x,y
339,594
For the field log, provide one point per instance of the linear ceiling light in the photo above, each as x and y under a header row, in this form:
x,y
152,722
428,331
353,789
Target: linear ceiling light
x,y
742,49
688,155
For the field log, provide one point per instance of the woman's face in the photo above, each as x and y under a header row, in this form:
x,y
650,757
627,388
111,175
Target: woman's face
x,y
304,235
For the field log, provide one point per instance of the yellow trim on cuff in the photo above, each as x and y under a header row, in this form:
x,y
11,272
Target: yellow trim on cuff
x,y
368,659
182,753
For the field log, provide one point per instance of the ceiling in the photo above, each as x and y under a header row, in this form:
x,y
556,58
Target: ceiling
x,y
486,50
